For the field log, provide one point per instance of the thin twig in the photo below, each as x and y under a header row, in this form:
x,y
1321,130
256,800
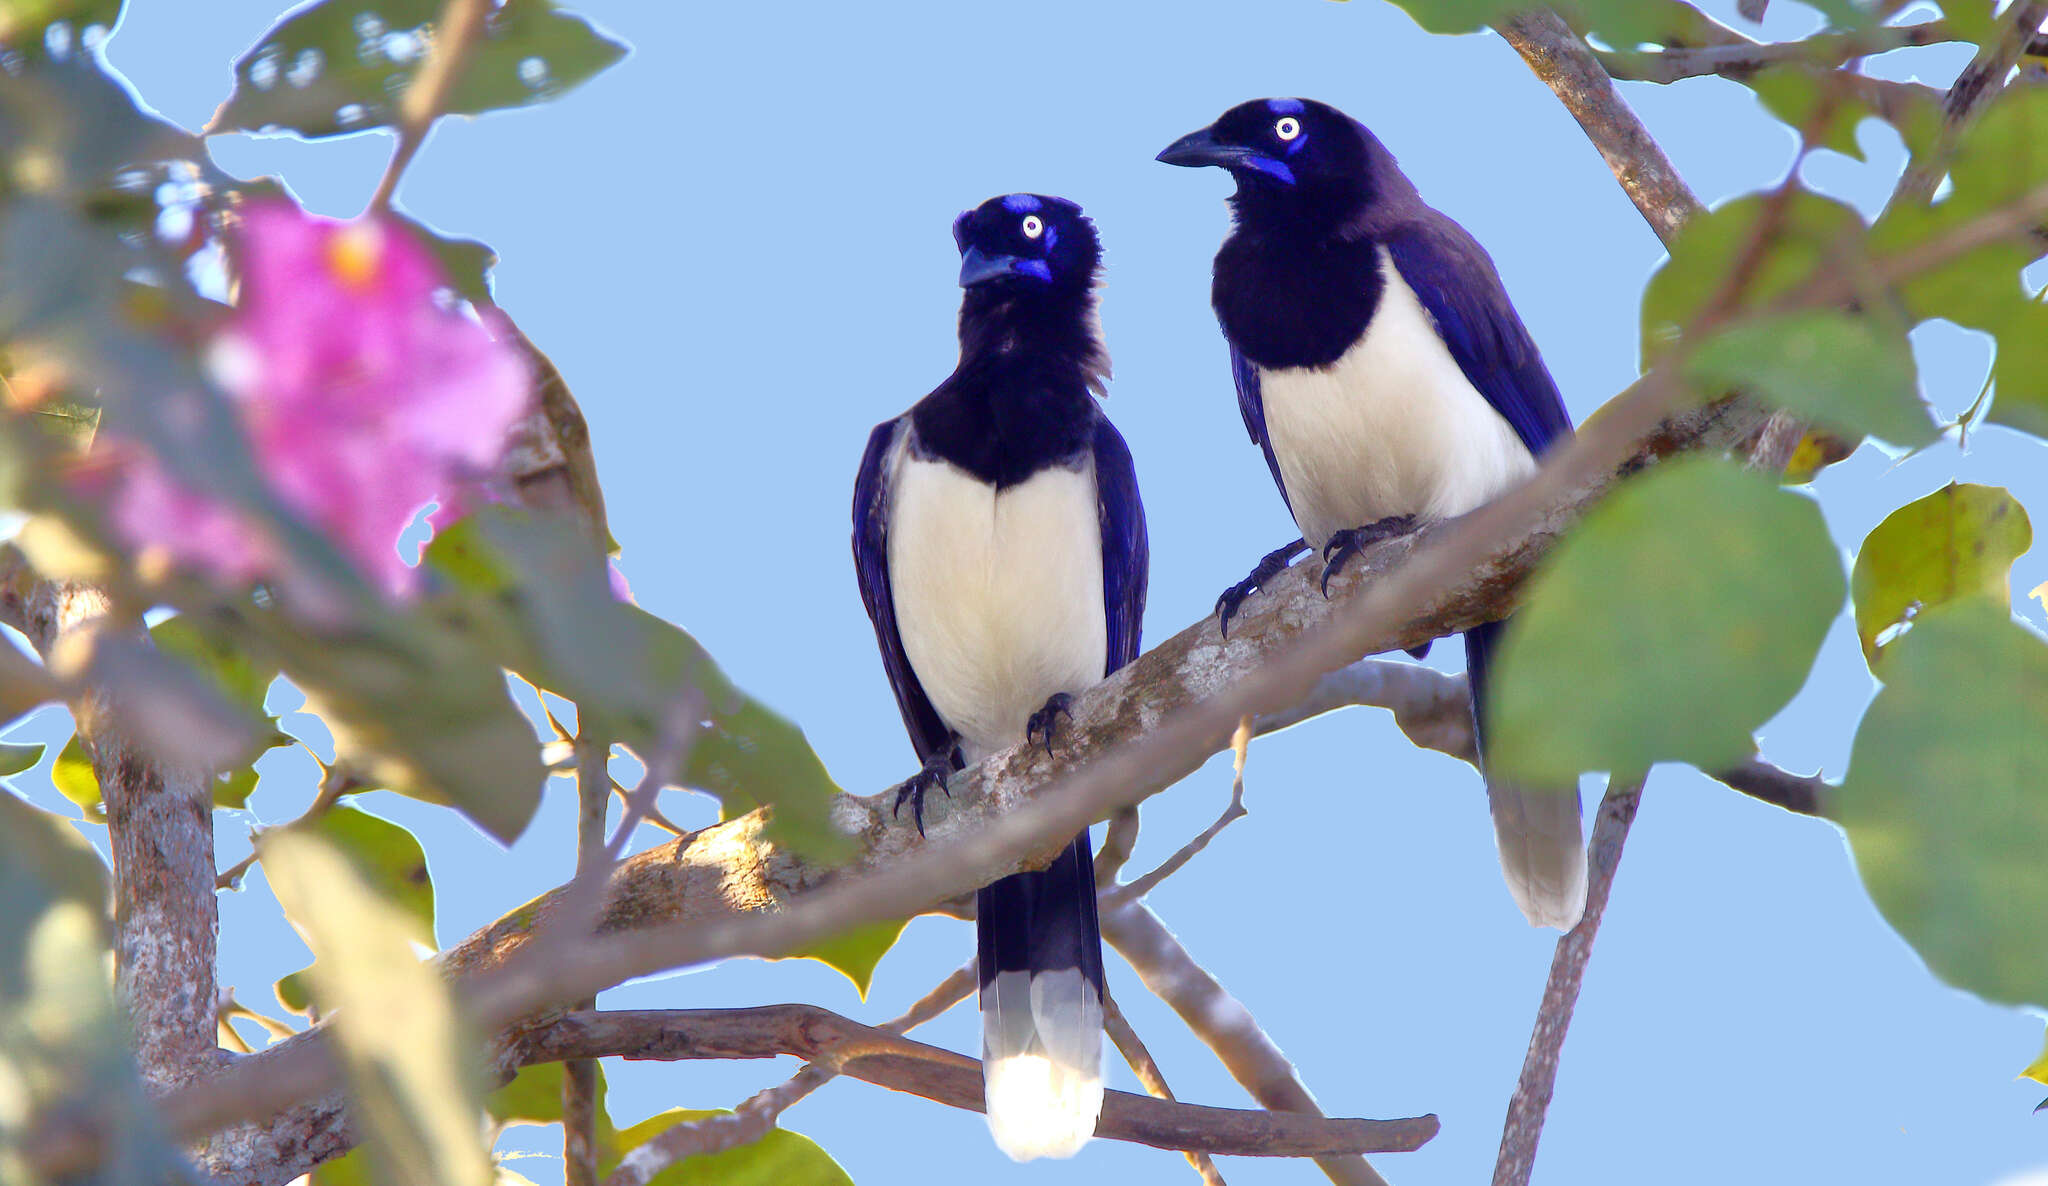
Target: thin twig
x,y
1146,1068
1745,58
334,783
454,35
580,1102
1118,842
1223,1024
1240,741
1567,970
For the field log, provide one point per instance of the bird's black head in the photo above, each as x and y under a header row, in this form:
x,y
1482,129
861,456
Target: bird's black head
x,y
1027,242
1295,151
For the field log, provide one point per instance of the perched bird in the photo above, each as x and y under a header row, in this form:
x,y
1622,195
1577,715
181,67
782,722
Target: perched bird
x,y
1386,375
1001,552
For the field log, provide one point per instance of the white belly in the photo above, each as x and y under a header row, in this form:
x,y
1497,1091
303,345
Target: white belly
x,y
998,596
1391,428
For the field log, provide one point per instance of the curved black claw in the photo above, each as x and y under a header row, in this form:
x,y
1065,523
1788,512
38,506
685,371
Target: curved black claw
x,y
918,785
1047,720
1352,540
1272,564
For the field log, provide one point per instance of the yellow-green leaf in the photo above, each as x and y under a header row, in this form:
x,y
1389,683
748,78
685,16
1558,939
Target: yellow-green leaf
x,y
16,758
73,776
1958,542
388,858
782,1158
398,1036
856,953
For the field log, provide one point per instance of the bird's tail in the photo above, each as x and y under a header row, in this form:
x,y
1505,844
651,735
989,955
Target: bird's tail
x,y
1041,1006
1542,847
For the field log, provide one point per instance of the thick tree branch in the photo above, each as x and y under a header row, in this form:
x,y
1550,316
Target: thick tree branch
x,y
1565,63
888,1060
160,823
1567,971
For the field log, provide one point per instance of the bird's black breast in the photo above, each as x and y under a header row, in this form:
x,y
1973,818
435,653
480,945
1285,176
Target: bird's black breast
x,y
1005,427
1287,302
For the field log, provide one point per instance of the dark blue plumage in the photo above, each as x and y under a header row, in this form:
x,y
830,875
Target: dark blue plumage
x,y
1000,546
1382,369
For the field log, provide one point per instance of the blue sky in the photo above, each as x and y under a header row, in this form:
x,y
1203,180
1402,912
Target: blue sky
x,y
735,245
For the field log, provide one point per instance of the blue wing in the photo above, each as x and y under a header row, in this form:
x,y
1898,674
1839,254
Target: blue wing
x,y
1126,555
1456,282
928,734
1253,407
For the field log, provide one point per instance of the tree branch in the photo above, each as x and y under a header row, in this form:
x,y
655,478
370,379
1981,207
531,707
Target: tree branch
x,y
1567,970
900,1064
454,33
1146,1068
1745,58
1562,59
1978,84
160,823
1223,1024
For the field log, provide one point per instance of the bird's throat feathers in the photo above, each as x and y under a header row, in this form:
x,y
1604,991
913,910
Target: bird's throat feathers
x,y
1050,331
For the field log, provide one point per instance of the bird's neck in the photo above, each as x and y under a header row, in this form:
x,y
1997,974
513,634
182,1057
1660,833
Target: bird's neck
x,y
1049,332
1306,213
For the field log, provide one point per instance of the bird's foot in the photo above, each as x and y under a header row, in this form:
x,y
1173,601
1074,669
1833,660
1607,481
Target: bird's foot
x,y
1271,565
1353,540
1046,721
918,785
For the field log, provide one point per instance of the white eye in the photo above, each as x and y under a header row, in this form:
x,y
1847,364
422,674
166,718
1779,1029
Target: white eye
x,y
1288,127
1033,226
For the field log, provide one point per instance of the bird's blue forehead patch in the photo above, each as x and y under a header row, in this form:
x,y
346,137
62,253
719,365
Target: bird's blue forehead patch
x,y
1284,106
1021,203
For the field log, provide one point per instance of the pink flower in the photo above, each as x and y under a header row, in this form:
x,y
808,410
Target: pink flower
x,y
364,397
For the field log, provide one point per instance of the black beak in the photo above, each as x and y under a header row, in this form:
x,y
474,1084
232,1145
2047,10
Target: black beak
x,y
976,266
1202,148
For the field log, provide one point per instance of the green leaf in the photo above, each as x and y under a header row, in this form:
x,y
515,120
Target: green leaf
x,y
387,858
350,1169
1811,232
534,1096
2021,367
295,992
781,1158
412,1088
1680,615
1944,803
338,66
543,580
1846,372
1796,94
74,779
855,954
14,759
25,24
1955,544
232,790
232,670
465,262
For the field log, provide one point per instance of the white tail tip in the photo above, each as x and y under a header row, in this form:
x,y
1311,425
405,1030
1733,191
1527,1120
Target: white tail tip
x,y
1038,1108
1542,852
1041,1062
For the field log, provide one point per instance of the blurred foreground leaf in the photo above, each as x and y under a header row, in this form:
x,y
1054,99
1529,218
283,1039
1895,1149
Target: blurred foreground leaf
x,y
1958,542
339,66
782,1158
1682,613
1945,805
1841,371
396,1031
25,24
16,758
62,1039
630,671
